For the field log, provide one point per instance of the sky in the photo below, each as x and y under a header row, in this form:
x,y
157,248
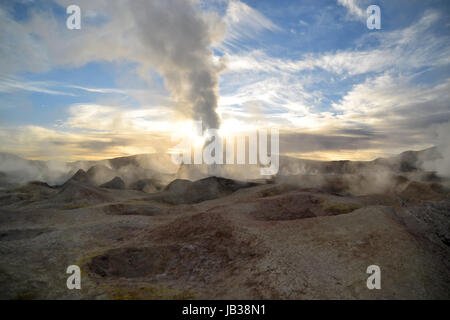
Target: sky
x,y
138,71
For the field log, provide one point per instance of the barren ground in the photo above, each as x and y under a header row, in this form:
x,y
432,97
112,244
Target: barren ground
x,y
262,241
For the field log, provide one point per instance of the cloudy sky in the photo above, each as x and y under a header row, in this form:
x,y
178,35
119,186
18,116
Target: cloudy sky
x,y
138,71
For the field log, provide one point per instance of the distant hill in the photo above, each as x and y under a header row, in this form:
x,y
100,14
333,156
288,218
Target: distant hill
x,y
159,167
408,161
16,170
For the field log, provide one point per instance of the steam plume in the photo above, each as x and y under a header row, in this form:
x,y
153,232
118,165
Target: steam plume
x,y
177,39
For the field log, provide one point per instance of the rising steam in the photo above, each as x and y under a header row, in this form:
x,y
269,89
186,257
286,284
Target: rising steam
x,y
173,37
176,39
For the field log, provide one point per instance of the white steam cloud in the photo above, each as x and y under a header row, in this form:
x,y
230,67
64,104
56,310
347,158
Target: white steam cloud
x,y
177,39
441,165
173,37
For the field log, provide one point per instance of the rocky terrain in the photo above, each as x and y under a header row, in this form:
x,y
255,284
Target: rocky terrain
x,y
140,232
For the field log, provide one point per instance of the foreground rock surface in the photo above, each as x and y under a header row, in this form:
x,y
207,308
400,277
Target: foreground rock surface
x,y
222,239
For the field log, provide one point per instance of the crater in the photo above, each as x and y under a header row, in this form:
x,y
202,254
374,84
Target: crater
x,y
293,206
194,249
134,262
21,234
129,209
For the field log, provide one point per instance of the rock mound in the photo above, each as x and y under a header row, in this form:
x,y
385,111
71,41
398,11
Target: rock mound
x,y
178,185
79,176
116,183
31,192
182,191
422,191
99,174
75,193
147,185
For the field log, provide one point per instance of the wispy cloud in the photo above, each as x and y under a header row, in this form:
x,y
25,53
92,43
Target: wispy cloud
x,y
353,9
37,142
386,96
406,49
116,119
99,90
377,91
244,23
8,85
